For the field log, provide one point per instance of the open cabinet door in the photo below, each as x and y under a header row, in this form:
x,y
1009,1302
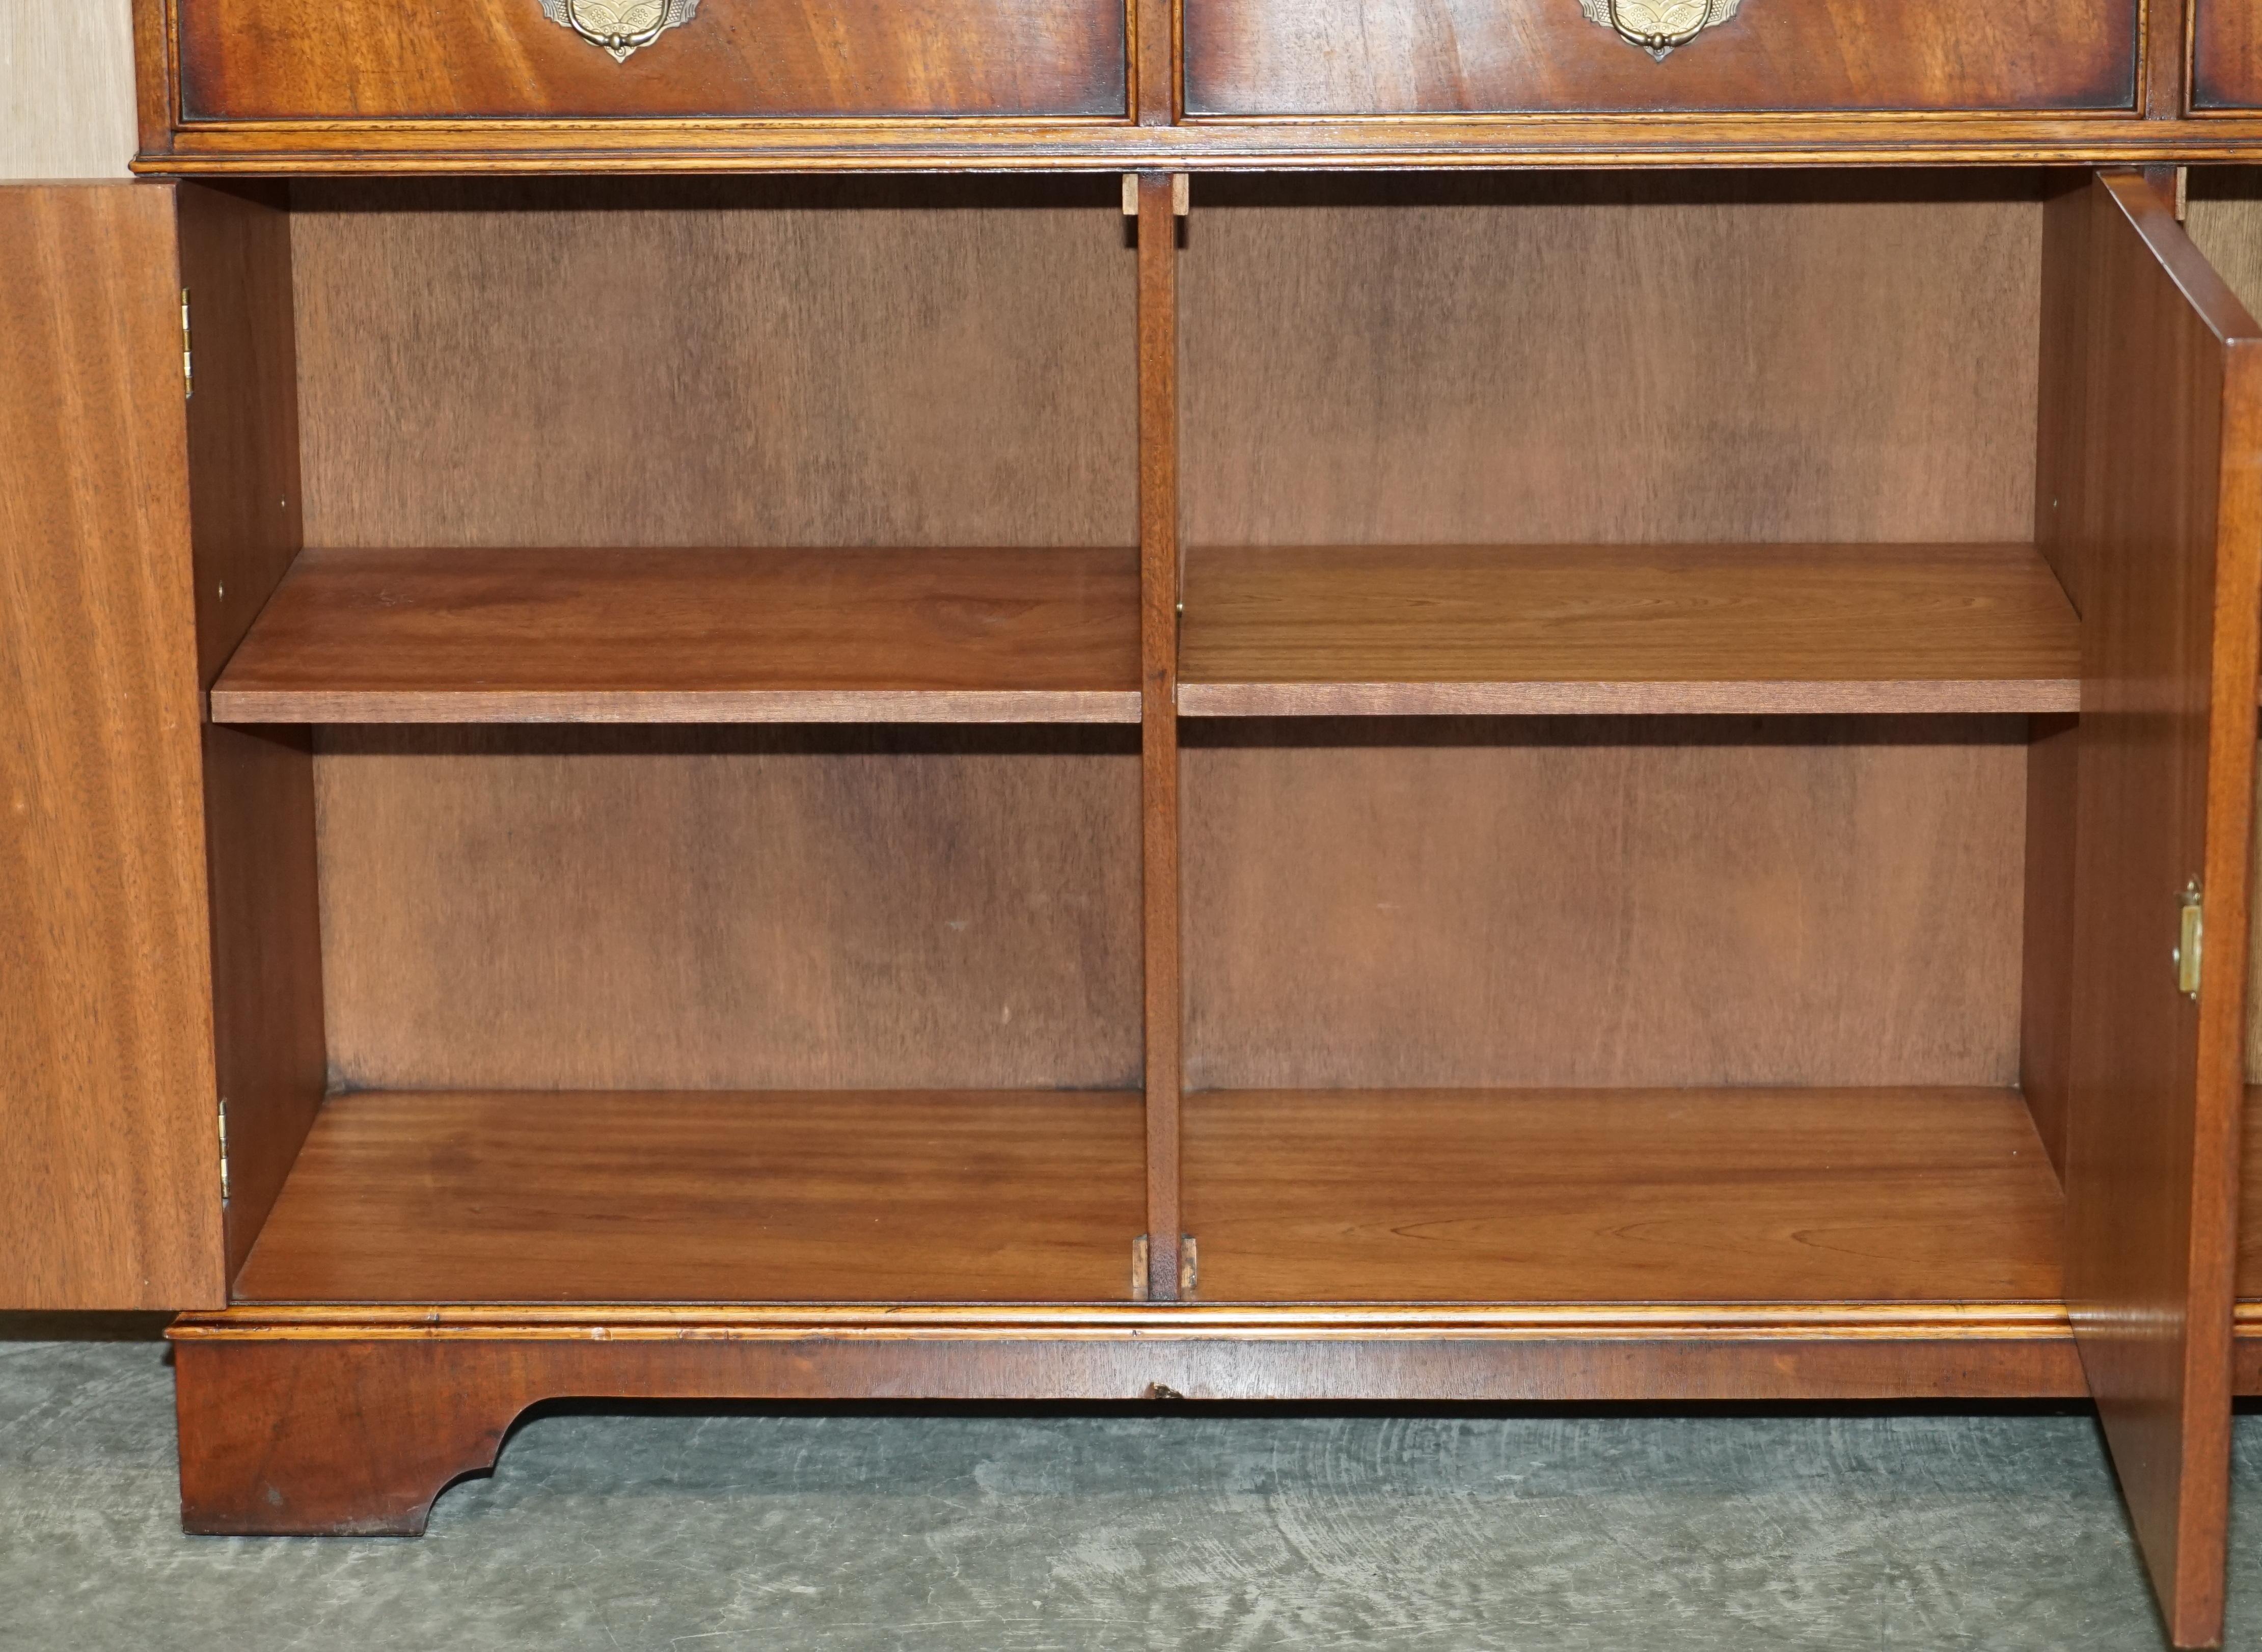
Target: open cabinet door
x,y
2157,505
109,1192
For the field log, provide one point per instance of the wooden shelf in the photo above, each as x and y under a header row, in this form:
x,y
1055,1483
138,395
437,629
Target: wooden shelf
x,y
1659,1196
696,636
1432,631
708,1196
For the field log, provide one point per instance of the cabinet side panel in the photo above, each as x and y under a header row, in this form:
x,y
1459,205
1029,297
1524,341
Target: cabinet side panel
x,y
106,1100
259,785
2045,982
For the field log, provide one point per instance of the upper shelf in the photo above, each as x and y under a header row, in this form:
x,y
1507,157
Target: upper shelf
x,y
1430,630
673,635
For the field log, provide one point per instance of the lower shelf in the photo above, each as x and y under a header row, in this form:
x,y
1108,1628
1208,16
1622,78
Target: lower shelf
x,y
1599,1197
708,1196
1708,1198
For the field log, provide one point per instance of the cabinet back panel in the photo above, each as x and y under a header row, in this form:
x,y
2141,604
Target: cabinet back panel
x,y
859,362
730,908
1601,359
1603,902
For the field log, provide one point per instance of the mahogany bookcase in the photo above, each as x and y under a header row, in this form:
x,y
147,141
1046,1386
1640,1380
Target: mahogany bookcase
x,y
1139,707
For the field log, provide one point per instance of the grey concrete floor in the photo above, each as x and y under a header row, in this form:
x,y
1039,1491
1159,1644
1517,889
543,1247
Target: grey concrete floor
x,y
854,1531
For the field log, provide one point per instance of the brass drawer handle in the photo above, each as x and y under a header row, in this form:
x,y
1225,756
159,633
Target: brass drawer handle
x,y
1658,25
620,25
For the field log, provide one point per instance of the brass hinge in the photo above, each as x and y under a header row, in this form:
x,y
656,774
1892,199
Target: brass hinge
x,y
1189,1268
223,1149
188,357
2190,939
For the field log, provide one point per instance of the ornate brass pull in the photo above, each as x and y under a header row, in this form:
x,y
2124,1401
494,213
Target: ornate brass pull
x,y
620,26
1658,25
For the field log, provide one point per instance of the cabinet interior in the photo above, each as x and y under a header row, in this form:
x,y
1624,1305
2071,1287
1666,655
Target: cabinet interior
x,y
1623,673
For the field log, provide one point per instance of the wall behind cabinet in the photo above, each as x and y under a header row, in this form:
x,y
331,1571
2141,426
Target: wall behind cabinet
x,y
66,89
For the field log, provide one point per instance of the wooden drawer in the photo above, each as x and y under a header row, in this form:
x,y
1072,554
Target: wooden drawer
x,y
1356,57
418,59
2226,54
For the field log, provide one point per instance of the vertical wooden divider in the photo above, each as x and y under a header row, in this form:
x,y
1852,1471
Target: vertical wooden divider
x,y
1158,683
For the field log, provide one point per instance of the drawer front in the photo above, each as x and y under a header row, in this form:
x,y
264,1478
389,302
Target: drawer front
x,y
570,58
1360,57
2226,54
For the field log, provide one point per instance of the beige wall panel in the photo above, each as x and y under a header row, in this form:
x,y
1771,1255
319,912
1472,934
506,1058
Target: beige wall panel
x,y
66,89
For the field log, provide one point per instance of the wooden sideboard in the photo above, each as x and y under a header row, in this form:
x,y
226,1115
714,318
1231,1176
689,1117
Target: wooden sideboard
x,y
1320,701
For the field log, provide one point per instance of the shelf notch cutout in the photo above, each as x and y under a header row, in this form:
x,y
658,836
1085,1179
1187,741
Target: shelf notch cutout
x,y
1189,1268
1182,194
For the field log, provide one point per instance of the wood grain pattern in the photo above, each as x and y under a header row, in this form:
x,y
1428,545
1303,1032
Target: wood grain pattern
x,y
1162,918
1467,144
106,1090
2065,475
2163,96
2223,219
2222,214
1603,902
1360,57
2246,1351
708,635
1155,65
317,1422
2226,50
859,362
2045,977
1347,629
2063,482
362,60
441,1196
2173,585
753,908
245,500
266,1011
1724,358
1621,1197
